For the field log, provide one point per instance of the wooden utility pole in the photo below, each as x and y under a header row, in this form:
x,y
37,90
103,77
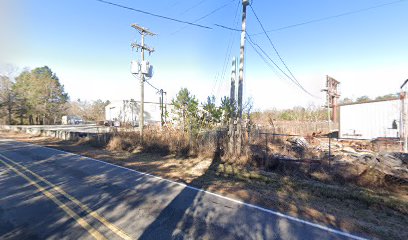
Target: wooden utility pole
x,y
162,107
245,3
143,48
404,115
329,123
333,96
403,121
232,136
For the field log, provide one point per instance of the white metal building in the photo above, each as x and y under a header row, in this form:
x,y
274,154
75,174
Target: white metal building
x,y
127,111
371,120
71,120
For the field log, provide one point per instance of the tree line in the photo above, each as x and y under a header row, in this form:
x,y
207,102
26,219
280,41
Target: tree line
x,y
38,97
90,111
365,98
312,113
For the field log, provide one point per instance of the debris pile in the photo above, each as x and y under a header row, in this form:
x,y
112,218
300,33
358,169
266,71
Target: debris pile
x,y
389,163
349,158
298,144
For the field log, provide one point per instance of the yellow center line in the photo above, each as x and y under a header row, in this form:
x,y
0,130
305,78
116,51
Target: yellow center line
x,y
69,211
94,214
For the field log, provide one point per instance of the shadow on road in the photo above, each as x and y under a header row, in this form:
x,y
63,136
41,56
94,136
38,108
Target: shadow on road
x,y
156,209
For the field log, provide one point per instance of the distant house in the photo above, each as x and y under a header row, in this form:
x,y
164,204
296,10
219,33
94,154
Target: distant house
x,y
127,112
371,120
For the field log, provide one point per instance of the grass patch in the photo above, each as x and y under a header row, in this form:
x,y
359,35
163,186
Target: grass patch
x,y
315,188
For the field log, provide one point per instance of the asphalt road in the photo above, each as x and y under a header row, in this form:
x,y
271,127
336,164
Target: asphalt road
x,y
50,194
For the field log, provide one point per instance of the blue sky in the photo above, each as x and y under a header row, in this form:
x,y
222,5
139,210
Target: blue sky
x,y
87,44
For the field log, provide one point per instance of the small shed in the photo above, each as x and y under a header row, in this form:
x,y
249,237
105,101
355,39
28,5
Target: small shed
x,y
371,120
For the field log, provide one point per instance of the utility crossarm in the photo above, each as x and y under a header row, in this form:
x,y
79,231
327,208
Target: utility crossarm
x,y
142,30
137,46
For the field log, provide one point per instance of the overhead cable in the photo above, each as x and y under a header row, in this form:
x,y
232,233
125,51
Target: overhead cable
x,y
153,14
331,17
206,15
293,78
316,20
273,45
252,43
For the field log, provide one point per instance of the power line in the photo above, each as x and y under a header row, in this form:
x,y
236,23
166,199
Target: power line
x,y
227,53
228,57
202,26
221,75
205,16
266,61
153,14
161,92
146,81
194,6
316,20
277,53
228,28
330,17
252,43
214,11
175,3
157,89
273,45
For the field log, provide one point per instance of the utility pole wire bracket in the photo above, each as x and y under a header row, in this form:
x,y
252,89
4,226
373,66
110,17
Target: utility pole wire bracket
x,y
142,30
139,46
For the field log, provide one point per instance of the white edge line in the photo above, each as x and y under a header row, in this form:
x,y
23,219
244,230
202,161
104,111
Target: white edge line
x,y
217,195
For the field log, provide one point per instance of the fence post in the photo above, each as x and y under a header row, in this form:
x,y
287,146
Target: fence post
x,y
190,140
329,151
218,133
266,149
249,134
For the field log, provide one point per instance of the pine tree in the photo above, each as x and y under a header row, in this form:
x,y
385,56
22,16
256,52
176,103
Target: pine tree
x,y
40,96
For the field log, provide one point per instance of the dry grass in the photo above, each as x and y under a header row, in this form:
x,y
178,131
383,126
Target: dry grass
x,y
166,141
380,214
163,142
316,195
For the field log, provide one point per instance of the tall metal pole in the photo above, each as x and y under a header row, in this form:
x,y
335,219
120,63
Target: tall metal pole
x,y
241,77
232,136
233,77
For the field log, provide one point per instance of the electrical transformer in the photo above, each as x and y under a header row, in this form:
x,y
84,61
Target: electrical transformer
x,y
146,68
134,67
